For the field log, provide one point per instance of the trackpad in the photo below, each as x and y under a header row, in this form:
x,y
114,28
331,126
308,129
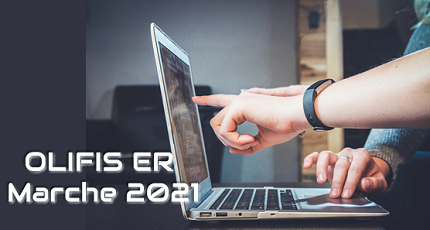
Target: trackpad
x,y
325,199
318,200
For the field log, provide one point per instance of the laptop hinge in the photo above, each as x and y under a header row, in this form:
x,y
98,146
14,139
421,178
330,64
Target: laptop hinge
x,y
196,205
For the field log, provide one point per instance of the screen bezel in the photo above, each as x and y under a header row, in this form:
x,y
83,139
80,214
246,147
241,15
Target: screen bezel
x,y
158,36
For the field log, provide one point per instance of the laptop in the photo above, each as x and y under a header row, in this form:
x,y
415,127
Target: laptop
x,y
225,203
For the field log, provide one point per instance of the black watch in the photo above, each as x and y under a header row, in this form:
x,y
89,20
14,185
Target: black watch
x,y
309,103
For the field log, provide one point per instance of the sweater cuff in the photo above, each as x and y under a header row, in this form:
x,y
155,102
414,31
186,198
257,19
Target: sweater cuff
x,y
386,154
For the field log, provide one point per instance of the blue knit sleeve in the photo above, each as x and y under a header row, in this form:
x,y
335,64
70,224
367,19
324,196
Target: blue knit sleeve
x,y
395,146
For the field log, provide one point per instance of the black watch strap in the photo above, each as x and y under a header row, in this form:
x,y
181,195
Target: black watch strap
x,y
309,103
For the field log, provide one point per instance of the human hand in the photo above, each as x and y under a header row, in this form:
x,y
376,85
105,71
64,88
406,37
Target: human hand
x,y
278,119
288,91
364,172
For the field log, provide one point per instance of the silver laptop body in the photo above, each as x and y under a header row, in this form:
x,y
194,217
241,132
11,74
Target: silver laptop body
x,y
188,150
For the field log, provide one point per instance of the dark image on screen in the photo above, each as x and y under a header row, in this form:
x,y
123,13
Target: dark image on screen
x,y
184,118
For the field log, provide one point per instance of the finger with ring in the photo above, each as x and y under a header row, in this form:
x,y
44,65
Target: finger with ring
x,y
345,157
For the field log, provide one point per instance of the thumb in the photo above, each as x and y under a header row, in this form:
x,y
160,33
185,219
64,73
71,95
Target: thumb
x,y
374,185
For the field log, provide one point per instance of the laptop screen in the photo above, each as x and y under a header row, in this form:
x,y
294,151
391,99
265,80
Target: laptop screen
x,y
184,118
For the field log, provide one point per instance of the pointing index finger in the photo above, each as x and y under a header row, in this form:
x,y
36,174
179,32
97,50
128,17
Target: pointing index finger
x,y
220,100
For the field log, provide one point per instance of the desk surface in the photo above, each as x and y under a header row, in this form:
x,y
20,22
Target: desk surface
x,y
122,215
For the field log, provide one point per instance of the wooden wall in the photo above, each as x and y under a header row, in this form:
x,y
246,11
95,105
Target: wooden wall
x,y
320,57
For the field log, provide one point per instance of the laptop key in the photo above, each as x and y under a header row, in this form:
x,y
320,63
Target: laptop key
x,y
288,206
272,200
245,199
231,199
287,197
220,199
272,206
258,203
287,201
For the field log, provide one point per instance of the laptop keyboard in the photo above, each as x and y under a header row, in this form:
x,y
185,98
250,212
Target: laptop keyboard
x,y
255,199
259,197
245,199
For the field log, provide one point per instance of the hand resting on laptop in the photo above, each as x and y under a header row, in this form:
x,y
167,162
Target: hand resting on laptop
x,y
364,172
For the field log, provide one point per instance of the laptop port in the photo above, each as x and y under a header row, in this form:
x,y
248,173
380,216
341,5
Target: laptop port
x,y
221,214
205,214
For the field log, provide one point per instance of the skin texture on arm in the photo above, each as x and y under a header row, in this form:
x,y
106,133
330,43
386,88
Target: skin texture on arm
x,y
394,95
397,146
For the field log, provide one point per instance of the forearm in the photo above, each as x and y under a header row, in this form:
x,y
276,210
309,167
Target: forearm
x,y
394,95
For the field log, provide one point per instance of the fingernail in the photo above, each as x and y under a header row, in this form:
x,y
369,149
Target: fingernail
x,y
254,144
334,192
320,177
346,193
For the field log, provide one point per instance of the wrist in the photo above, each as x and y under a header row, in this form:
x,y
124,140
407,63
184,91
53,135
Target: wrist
x,y
310,104
383,166
298,116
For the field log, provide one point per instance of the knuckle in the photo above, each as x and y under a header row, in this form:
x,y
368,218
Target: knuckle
x,y
313,155
361,156
367,157
347,149
362,150
212,122
244,93
222,132
324,154
364,153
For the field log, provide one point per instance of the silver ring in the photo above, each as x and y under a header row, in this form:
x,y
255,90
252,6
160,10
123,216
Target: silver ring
x,y
345,157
